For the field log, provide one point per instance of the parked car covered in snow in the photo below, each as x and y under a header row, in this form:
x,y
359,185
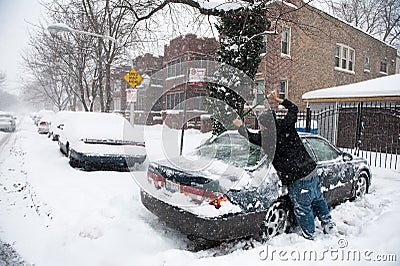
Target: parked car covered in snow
x,y
42,114
7,122
58,121
101,141
44,122
43,126
235,192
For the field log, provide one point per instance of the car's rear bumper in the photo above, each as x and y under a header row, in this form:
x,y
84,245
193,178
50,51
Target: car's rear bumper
x,y
222,228
106,162
42,130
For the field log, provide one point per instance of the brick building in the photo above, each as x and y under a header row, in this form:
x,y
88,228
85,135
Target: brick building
x,y
162,90
313,50
178,59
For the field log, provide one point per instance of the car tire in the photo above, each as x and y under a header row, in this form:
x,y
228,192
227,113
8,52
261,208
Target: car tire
x,y
276,221
72,162
360,187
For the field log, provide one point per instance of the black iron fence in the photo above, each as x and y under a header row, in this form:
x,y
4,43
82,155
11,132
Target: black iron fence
x,y
367,129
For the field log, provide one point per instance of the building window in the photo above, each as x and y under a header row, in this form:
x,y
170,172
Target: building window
x,y
140,103
283,89
383,68
175,68
367,64
198,103
337,56
156,81
351,60
260,90
263,49
173,99
117,104
285,42
200,62
344,57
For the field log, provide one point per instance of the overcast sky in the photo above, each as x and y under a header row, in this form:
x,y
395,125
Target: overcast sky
x,y
15,16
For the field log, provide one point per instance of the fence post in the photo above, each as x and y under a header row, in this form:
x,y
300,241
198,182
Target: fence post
x,y
359,128
308,118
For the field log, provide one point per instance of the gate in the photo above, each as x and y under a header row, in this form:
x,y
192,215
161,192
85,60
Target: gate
x,y
367,129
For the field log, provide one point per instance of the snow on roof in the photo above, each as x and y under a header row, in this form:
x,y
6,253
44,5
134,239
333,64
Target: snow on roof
x,y
385,87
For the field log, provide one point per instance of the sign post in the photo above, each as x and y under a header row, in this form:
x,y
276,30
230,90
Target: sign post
x,y
193,76
133,78
184,112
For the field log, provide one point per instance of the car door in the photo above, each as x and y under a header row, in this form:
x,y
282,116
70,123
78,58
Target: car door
x,y
334,172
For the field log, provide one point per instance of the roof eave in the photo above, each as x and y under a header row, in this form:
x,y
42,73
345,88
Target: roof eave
x,y
352,99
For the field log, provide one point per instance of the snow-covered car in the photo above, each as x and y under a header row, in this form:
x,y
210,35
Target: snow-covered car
x,y
7,122
47,114
101,141
44,122
58,121
43,126
234,191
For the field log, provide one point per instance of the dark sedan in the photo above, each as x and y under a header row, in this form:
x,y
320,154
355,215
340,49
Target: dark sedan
x,y
100,141
234,191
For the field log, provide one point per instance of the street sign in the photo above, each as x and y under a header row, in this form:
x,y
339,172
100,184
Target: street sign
x,y
131,96
197,75
133,78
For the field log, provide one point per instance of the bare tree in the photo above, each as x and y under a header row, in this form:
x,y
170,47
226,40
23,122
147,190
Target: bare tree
x,y
105,18
50,64
79,67
380,18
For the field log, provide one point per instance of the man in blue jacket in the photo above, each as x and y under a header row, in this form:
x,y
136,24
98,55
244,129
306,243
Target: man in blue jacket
x,y
295,167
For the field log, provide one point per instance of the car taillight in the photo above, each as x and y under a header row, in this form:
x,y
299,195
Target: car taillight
x,y
157,180
217,202
196,194
216,198
43,123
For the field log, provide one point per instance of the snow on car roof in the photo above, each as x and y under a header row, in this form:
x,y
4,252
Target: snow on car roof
x,y
101,126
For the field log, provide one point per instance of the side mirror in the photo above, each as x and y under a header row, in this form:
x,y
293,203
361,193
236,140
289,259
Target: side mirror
x,y
347,156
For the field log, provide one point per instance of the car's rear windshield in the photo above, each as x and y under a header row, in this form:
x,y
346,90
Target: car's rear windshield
x,y
111,142
233,149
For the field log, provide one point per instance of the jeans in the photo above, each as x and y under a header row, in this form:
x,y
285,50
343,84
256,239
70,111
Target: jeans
x,y
308,200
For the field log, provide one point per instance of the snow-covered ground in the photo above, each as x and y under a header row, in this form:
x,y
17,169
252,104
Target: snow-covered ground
x,y
53,214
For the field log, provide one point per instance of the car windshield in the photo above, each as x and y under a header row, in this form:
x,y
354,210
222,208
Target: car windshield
x,y
233,149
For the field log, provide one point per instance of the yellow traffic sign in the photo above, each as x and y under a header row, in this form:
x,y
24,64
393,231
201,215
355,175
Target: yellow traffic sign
x,y
133,78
